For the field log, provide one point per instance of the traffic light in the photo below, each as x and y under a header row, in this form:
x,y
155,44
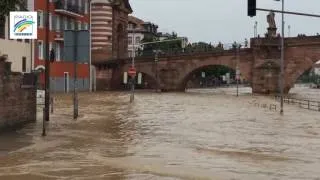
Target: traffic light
x,y
252,8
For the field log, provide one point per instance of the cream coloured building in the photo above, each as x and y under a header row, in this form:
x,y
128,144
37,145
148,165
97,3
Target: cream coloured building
x,y
19,52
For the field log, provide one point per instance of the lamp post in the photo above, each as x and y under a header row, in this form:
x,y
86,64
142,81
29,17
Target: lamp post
x,y
282,59
47,68
132,66
90,56
237,68
156,58
255,29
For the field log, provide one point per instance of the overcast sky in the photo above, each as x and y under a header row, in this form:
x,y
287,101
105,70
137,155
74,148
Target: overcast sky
x,y
223,20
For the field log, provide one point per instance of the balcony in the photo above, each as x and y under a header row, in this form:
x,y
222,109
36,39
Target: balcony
x,y
68,9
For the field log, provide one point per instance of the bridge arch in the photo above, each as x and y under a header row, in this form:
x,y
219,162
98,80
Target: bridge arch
x,y
300,64
148,81
195,75
229,62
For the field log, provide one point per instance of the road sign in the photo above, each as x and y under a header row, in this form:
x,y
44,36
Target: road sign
x,y
238,74
132,71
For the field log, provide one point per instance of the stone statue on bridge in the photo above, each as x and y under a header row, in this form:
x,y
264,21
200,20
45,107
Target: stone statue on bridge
x,y
270,20
272,29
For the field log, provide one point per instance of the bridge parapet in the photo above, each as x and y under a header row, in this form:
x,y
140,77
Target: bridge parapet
x,y
191,55
291,41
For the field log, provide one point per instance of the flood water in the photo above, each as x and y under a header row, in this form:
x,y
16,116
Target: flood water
x,y
201,134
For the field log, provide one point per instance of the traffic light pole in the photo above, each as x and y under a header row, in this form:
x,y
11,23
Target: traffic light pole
x,y
289,12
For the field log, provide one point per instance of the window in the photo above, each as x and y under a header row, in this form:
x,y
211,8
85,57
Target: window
x,y
86,7
40,19
24,64
72,24
27,40
58,51
19,40
66,23
40,49
85,26
50,21
109,38
58,27
129,40
79,25
130,53
2,28
138,40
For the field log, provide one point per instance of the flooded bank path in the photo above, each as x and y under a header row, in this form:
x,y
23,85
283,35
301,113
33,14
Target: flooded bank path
x,y
201,134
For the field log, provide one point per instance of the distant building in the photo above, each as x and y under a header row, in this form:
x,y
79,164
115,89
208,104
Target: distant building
x,y
137,31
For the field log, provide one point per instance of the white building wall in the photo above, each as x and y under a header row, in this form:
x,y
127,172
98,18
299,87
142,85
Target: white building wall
x,y
317,71
16,50
134,44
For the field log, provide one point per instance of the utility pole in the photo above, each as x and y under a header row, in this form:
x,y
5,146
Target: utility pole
x,y
282,58
237,68
156,58
255,29
47,69
75,79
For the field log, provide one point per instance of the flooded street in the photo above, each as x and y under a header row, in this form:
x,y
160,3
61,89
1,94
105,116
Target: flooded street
x,y
201,134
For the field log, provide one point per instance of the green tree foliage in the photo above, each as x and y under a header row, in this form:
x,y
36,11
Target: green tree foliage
x,y
10,5
309,77
164,47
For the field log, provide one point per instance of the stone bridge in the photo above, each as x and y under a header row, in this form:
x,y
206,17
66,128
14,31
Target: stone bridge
x,y
259,65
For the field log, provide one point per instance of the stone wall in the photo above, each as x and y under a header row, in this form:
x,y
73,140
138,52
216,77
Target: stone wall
x,y
17,97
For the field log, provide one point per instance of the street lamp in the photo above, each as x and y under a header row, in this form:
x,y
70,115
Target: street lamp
x,y
255,29
132,65
282,58
156,59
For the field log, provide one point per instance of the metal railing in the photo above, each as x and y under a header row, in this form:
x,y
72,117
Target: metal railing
x,y
303,103
193,49
69,7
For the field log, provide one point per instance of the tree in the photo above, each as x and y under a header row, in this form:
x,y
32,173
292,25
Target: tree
x,y
164,47
10,5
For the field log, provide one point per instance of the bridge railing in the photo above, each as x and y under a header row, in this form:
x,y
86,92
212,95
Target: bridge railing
x,y
192,50
303,103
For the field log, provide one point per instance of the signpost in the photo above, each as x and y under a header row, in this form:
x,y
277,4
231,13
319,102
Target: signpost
x,y
132,72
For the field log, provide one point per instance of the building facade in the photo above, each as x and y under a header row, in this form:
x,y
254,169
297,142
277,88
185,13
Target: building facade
x,y
63,15
137,31
109,36
109,29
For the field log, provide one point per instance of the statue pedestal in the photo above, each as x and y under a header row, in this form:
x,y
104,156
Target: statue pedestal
x,y
272,32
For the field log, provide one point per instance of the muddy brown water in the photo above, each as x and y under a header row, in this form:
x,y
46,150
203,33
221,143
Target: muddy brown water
x,y
201,134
